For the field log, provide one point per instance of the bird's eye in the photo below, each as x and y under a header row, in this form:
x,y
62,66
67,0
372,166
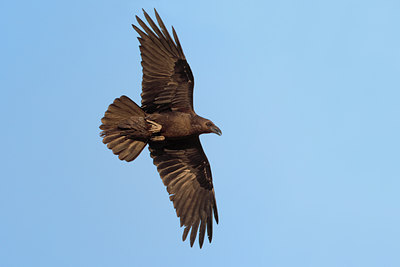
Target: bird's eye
x,y
209,124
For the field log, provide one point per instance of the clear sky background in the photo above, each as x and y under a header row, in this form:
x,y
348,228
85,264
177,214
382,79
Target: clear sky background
x,y
306,173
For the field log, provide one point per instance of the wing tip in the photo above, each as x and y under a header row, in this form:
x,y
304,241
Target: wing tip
x,y
185,233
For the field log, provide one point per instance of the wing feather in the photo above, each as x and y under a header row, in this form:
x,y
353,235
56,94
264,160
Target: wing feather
x,y
185,171
202,228
168,81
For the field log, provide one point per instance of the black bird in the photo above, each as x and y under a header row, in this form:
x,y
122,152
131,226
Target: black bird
x,y
168,124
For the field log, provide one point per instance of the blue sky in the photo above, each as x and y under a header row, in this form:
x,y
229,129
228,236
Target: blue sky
x,y
306,172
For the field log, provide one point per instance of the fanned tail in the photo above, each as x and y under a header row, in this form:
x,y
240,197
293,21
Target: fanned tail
x,y
124,128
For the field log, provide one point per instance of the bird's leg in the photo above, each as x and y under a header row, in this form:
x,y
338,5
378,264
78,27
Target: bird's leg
x,y
157,138
155,128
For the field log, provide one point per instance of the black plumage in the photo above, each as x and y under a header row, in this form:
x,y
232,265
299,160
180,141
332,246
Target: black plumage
x,y
166,121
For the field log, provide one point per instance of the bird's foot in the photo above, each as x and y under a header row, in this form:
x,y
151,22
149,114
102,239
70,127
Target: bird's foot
x,y
158,138
154,127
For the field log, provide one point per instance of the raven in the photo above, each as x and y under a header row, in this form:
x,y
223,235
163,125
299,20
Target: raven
x,y
167,122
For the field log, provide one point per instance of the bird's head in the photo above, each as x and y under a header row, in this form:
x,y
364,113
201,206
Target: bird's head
x,y
210,127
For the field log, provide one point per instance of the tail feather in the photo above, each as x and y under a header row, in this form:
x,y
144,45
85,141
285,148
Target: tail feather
x,y
117,138
132,151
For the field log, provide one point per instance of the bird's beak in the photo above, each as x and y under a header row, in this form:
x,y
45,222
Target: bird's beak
x,y
216,130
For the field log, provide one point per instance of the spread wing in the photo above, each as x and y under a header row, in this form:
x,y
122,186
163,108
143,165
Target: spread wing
x,y
167,79
185,170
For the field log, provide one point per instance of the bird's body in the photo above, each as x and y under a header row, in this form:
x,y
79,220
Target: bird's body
x,y
168,124
175,124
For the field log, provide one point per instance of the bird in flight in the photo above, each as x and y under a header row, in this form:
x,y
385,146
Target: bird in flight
x,y
167,122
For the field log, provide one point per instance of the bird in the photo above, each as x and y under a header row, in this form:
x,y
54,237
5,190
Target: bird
x,y
168,124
